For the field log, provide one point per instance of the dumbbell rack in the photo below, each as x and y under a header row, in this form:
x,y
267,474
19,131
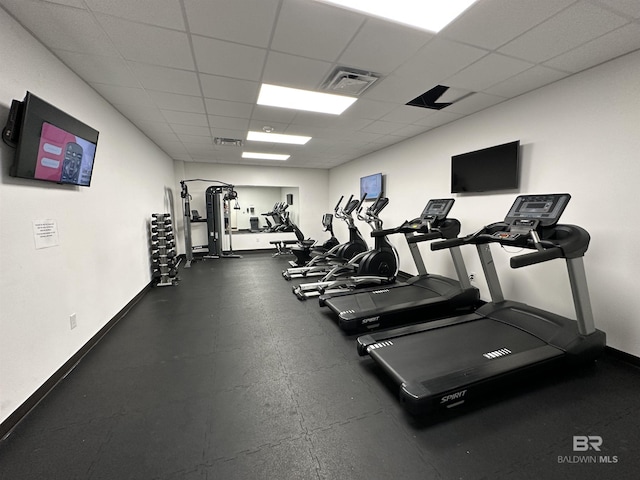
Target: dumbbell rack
x,y
163,252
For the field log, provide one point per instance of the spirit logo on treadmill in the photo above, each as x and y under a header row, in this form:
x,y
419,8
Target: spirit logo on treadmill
x,y
370,320
457,397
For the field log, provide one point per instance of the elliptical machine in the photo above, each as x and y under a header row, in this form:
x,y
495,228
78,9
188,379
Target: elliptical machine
x,y
338,255
378,266
305,248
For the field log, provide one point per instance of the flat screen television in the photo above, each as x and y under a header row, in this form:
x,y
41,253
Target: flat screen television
x,y
488,169
371,185
50,145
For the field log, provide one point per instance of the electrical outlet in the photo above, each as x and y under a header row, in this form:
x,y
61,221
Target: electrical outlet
x,y
72,321
472,276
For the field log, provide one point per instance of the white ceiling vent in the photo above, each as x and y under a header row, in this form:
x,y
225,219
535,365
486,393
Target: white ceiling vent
x,y
349,81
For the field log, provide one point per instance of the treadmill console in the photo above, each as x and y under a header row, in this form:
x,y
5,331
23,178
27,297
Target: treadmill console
x,y
437,209
531,211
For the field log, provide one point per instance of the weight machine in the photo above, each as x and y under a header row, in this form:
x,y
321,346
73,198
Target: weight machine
x,y
218,204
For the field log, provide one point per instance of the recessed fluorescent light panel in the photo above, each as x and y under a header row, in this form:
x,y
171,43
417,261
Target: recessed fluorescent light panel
x,y
429,15
277,138
265,156
285,97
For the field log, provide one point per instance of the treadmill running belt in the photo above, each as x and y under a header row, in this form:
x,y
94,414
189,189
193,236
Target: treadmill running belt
x,y
418,358
397,298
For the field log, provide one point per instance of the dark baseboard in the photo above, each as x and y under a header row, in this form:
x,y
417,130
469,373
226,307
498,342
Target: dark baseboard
x,y
624,356
23,410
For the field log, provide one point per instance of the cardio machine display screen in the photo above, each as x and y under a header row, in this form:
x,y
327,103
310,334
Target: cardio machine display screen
x,y
438,208
545,208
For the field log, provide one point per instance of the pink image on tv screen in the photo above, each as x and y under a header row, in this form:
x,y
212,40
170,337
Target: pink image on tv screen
x,y
54,143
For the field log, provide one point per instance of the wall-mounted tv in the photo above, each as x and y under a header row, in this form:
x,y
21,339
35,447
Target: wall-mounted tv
x,y
488,169
50,144
371,185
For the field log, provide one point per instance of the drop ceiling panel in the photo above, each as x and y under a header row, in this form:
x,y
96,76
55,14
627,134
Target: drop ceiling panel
x,y
166,79
492,24
137,97
272,115
381,47
625,7
438,60
174,149
193,136
526,81
161,137
148,44
623,40
409,131
162,13
185,118
441,117
192,130
229,59
569,29
138,114
228,123
486,72
99,69
368,109
380,126
407,114
312,119
228,109
230,89
174,101
474,103
249,22
62,27
294,71
156,127
199,150
302,30
398,90
70,3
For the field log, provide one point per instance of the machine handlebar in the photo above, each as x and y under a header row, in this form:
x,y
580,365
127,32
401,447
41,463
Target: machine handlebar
x,y
536,257
450,243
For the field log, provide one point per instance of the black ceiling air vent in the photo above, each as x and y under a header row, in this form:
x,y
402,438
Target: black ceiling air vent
x,y
429,99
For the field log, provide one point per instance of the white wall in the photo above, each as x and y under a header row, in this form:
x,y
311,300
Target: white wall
x,y
102,260
579,135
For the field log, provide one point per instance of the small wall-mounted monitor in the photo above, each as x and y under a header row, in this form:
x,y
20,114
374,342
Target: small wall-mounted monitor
x,y
372,186
50,145
488,169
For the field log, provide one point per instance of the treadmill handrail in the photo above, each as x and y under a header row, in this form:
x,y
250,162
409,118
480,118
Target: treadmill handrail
x,y
556,244
536,257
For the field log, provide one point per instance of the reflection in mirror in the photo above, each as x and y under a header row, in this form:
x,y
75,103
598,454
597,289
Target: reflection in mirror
x,y
256,201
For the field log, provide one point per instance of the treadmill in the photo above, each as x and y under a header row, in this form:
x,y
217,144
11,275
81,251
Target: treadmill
x,y
449,362
419,297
